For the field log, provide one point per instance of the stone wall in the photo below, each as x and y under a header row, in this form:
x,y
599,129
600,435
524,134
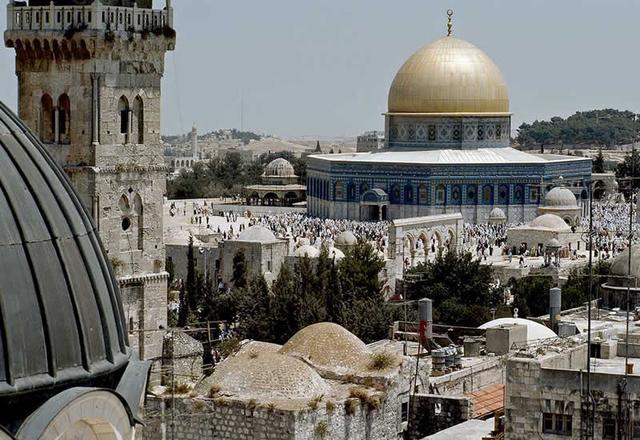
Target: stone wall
x,y
431,413
196,418
262,258
489,372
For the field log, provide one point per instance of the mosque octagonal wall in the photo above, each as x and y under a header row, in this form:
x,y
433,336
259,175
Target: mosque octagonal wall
x,y
431,132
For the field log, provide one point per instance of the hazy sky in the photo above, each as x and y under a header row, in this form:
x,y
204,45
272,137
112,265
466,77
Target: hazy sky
x,y
323,67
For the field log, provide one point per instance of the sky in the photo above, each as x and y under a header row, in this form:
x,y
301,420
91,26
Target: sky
x,y
322,68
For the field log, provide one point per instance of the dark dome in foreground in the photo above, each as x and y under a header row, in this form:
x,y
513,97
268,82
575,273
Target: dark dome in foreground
x,y
61,318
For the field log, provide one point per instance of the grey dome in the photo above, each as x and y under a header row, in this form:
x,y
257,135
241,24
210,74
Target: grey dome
x,y
61,317
560,197
279,168
346,238
257,233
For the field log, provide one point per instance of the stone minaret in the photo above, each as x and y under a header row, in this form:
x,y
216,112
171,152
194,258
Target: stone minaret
x,y
89,75
194,143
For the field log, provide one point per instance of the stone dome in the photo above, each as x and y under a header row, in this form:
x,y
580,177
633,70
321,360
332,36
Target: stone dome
x,y
257,233
560,197
448,76
620,264
265,374
553,244
279,168
549,221
62,317
497,215
328,345
346,238
307,250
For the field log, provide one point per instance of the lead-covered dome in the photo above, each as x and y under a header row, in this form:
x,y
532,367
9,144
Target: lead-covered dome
x,y
279,168
549,221
449,75
62,320
560,197
257,233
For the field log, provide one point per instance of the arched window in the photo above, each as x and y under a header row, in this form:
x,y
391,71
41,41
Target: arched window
x,y
364,187
138,210
423,194
441,194
472,194
395,193
456,195
123,110
47,119
408,194
138,117
487,195
518,194
503,195
64,119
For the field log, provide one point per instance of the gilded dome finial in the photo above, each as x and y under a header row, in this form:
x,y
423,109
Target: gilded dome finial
x,y
449,22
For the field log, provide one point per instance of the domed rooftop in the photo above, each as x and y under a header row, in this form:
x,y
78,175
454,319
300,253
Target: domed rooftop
x,y
549,221
497,214
279,168
307,251
620,264
265,374
553,244
560,197
62,318
328,345
346,238
257,233
449,75
535,331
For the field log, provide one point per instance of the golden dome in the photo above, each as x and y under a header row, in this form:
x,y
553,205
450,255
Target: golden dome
x,y
447,76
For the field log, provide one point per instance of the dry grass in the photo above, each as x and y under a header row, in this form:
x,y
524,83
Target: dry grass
x,y
313,403
371,401
213,391
181,388
350,406
253,355
330,406
381,361
322,429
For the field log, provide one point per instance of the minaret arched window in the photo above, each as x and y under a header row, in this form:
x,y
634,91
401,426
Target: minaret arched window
x,y
47,119
138,209
138,118
124,112
64,119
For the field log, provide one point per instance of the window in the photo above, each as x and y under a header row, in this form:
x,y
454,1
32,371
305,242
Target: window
x,y
47,119
64,116
46,17
123,109
609,429
138,115
559,424
534,194
423,194
487,195
58,16
471,194
338,193
440,194
395,193
404,412
408,194
456,195
503,195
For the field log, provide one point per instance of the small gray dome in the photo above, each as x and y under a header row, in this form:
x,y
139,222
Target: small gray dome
x,y
549,221
62,318
279,168
497,215
560,197
257,233
307,251
620,264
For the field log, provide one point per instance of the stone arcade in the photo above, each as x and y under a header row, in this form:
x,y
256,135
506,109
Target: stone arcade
x,y
89,78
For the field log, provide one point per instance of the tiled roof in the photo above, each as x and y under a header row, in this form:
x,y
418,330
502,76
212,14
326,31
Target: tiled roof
x,y
487,400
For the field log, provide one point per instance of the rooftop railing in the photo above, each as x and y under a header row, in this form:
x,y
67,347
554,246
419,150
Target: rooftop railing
x,y
93,17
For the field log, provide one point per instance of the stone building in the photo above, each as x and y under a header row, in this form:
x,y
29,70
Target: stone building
x,y
614,291
89,77
263,252
536,234
322,383
447,149
369,141
279,186
66,368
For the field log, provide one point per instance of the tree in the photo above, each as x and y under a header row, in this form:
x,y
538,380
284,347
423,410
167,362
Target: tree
x,y
254,310
598,162
531,295
285,306
575,291
191,287
630,167
461,288
239,277
183,311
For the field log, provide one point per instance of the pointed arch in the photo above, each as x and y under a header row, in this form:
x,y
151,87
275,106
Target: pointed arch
x,y
123,111
64,119
138,118
123,204
47,119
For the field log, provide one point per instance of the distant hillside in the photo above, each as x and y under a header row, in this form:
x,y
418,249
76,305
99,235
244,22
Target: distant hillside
x,y
595,127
